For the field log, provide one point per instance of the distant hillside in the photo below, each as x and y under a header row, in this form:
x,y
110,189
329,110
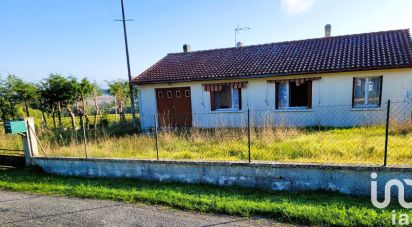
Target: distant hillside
x,y
105,98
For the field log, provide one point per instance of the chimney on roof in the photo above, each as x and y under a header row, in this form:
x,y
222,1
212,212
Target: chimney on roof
x,y
328,30
187,48
239,44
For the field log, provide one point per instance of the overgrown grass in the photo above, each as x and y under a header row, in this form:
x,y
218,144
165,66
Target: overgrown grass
x,y
334,145
359,145
317,208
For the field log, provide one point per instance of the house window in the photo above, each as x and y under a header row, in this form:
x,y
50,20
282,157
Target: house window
x,y
292,94
178,93
367,91
228,98
187,93
169,94
160,94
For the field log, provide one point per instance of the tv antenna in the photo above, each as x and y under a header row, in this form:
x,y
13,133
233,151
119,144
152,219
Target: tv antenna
x,y
237,30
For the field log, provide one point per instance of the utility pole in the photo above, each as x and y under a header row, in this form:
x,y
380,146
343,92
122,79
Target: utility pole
x,y
128,66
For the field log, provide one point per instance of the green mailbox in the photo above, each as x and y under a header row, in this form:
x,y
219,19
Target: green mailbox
x,y
15,127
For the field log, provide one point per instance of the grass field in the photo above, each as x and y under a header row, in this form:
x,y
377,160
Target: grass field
x,y
336,145
354,145
315,208
66,121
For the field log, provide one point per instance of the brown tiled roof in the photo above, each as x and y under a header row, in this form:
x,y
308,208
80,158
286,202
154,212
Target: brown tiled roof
x,y
377,50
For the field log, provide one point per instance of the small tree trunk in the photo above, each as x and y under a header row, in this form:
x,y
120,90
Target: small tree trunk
x,y
81,119
27,109
87,121
80,115
116,106
54,118
123,115
59,113
86,116
44,119
96,105
72,117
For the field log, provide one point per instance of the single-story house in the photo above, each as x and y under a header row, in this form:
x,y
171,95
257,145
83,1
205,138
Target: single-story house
x,y
332,81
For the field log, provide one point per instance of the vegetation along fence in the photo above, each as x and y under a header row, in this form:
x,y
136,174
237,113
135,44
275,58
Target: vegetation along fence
x,y
322,134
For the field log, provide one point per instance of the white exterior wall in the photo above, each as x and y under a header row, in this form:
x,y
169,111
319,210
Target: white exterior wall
x,y
331,101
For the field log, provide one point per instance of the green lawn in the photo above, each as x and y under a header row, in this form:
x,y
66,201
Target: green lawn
x,y
317,208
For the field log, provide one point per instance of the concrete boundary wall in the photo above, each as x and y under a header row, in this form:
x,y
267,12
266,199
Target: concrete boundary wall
x,y
347,179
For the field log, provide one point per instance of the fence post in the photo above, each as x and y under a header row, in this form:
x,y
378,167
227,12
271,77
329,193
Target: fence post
x,y
84,135
248,132
157,141
387,132
30,145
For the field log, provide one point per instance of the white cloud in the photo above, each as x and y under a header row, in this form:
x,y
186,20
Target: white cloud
x,y
297,6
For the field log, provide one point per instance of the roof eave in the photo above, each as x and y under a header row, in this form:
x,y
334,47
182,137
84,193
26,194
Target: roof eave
x,y
267,75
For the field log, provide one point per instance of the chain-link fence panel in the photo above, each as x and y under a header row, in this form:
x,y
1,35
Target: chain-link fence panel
x,y
320,134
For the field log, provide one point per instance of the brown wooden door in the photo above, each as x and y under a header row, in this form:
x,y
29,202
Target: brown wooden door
x,y
174,107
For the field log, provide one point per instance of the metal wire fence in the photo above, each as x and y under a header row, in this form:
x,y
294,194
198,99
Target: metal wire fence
x,y
322,134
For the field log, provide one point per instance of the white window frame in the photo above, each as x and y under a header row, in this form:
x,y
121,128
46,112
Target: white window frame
x,y
366,104
234,92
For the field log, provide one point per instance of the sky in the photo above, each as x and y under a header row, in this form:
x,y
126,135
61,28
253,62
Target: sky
x,y
80,37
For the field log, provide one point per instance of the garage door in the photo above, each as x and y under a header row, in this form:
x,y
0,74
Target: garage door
x,y
174,107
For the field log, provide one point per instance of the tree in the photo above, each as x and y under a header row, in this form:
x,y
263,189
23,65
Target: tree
x,y
120,90
85,91
41,104
52,91
96,91
8,109
23,92
47,102
60,92
73,89
9,102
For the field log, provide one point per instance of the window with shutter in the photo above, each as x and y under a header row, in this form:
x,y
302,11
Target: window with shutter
x,y
227,99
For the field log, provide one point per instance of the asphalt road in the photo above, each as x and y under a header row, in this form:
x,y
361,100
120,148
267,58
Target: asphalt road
x,y
18,209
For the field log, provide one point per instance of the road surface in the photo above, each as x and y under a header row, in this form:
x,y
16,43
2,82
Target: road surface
x,y
19,209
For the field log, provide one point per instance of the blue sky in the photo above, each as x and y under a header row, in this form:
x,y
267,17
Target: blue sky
x,y
79,37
